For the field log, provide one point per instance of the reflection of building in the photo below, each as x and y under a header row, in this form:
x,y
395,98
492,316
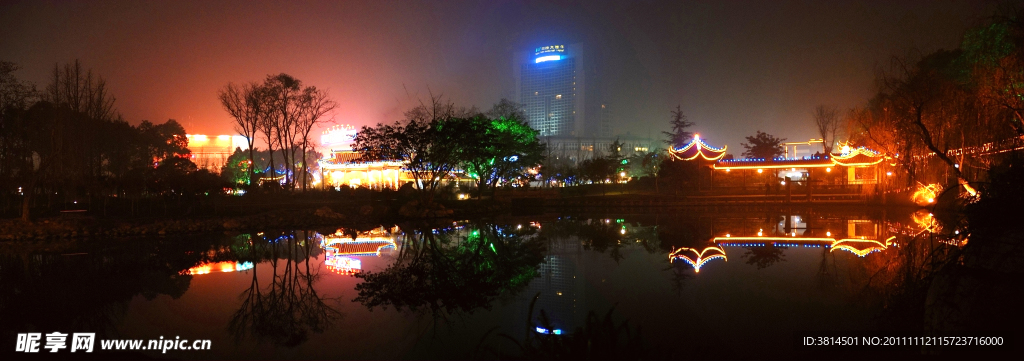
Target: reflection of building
x,y
212,152
560,286
342,250
342,167
857,236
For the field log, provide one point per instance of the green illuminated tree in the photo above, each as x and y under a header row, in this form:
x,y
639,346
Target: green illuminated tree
x,y
446,274
509,147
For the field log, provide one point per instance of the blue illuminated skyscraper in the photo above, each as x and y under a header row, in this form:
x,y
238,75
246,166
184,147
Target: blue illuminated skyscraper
x,y
557,85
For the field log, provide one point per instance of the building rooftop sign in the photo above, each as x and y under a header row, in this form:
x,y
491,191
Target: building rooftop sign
x,y
549,53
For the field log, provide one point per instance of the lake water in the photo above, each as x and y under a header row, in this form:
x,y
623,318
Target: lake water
x,y
709,284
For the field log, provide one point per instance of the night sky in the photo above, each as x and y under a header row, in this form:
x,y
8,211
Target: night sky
x,y
733,66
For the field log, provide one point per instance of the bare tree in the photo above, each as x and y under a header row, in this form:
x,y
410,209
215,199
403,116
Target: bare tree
x,y
266,127
80,92
315,104
242,103
284,93
826,118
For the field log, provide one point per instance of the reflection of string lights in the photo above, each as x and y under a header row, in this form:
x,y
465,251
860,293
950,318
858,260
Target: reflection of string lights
x,y
343,265
926,194
370,243
851,245
926,221
337,246
211,267
696,259
548,332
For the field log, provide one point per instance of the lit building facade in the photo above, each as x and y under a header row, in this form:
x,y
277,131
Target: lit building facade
x,y
211,152
341,165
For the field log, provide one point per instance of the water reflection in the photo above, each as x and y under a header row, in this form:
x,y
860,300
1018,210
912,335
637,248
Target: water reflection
x,y
343,248
763,249
89,291
285,308
697,259
285,281
455,269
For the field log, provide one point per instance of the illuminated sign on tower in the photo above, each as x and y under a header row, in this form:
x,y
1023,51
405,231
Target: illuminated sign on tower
x,y
549,53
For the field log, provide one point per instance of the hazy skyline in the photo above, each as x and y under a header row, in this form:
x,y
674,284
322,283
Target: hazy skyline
x,y
734,67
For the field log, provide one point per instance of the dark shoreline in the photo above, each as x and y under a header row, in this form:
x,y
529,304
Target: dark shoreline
x,y
65,232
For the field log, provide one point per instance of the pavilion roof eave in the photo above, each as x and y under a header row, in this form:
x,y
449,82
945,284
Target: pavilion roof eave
x,y
775,164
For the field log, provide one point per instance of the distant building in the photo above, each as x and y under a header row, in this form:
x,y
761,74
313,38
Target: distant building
x,y
559,88
577,149
211,152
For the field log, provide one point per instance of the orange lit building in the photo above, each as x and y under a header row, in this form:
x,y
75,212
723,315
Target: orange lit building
x,y
859,166
212,151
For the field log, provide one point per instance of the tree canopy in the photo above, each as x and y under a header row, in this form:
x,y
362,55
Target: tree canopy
x,y
679,135
439,138
763,145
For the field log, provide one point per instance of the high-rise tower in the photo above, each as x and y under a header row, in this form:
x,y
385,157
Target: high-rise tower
x,y
557,85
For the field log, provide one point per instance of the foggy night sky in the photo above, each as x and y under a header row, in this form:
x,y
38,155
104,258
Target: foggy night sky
x,y
735,67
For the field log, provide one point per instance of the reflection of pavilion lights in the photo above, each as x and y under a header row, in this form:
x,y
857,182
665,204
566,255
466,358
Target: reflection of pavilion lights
x,y
370,243
696,259
211,267
850,245
343,265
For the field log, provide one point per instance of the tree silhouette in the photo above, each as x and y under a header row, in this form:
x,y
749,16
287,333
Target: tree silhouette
x,y
287,307
678,135
764,257
763,145
444,274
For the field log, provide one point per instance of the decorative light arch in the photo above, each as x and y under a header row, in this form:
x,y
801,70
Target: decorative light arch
x,y
861,247
697,148
697,259
858,157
